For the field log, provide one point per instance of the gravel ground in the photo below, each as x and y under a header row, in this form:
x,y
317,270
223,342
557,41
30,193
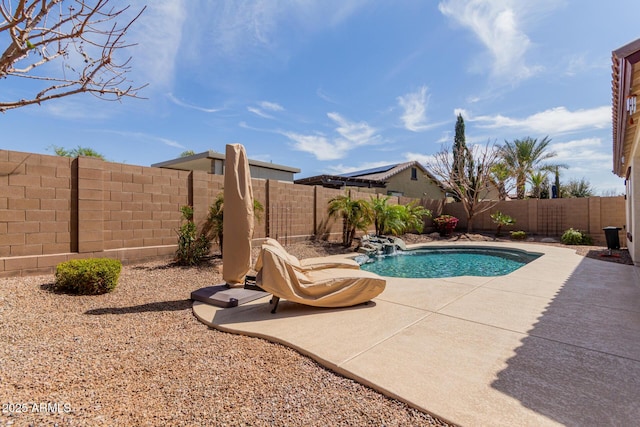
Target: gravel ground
x,y
138,357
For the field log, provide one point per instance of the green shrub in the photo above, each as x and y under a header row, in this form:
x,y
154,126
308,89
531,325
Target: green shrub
x,y
90,276
501,220
575,237
518,235
192,248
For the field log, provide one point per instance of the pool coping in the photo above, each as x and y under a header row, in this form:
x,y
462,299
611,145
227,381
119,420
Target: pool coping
x,y
552,343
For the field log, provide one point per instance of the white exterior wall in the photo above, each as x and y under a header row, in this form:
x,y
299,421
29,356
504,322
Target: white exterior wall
x,y
633,203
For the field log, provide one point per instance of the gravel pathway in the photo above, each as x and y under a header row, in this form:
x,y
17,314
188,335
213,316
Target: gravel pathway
x,y
138,357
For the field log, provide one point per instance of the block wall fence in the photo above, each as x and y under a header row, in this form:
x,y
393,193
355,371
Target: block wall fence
x,y
53,209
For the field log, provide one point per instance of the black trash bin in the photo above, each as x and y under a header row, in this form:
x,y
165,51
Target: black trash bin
x,y
611,234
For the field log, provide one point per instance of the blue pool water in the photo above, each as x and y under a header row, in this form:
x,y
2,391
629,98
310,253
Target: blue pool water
x,y
450,262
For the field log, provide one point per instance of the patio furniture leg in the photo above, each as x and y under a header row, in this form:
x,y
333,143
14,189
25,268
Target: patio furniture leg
x,y
274,300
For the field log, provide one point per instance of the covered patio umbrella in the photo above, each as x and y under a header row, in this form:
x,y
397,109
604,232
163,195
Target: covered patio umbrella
x,y
238,216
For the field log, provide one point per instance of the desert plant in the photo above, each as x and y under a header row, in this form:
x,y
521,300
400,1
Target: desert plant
x,y
501,220
518,235
91,276
575,237
413,217
214,226
192,248
445,224
354,215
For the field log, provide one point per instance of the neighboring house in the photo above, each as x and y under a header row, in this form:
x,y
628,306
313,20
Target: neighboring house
x,y
626,137
213,162
409,179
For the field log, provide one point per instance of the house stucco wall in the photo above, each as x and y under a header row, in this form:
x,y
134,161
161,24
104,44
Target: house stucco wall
x,y
632,208
421,187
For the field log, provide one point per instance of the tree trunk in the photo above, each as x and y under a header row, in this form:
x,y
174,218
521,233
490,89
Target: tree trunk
x,y
345,230
469,224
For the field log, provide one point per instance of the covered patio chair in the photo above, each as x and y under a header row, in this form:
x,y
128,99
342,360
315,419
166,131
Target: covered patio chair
x,y
310,264
328,287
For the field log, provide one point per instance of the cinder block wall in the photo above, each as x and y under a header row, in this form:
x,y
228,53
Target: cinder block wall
x,y
551,217
53,209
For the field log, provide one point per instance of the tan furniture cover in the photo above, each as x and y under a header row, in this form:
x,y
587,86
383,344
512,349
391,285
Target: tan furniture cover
x,y
329,287
310,264
238,216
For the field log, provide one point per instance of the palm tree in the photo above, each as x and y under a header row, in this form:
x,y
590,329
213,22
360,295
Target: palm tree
x,y
526,156
395,219
414,217
500,174
214,226
537,181
383,216
354,213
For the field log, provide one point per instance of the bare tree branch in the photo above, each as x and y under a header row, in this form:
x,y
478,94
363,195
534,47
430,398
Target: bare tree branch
x,y
84,36
473,186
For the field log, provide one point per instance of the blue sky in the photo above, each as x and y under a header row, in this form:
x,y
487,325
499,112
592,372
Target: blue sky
x,y
335,86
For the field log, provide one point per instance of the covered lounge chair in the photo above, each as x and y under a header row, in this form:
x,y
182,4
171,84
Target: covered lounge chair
x,y
310,264
328,287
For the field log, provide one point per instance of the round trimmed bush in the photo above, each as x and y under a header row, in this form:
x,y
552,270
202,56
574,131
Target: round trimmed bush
x,y
575,237
518,235
91,276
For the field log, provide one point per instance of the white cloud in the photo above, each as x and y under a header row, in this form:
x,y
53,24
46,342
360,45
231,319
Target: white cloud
x,y
145,137
158,36
552,121
323,95
497,24
171,143
271,106
318,145
266,105
181,103
581,151
425,159
354,133
414,105
259,112
350,135
242,28
579,64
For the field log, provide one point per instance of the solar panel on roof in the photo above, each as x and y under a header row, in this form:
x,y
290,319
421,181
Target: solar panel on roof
x,y
379,169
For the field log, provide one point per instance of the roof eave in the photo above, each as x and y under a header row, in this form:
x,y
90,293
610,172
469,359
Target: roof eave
x,y
623,60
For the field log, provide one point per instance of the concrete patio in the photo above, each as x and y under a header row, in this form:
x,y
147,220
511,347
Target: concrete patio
x,y
556,342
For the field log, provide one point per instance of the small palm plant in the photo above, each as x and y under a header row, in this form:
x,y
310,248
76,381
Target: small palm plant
x,y
396,219
214,226
385,217
354,215
414,217
501,220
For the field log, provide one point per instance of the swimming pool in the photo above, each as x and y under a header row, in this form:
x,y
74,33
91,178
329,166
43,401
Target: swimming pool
x,y
449,262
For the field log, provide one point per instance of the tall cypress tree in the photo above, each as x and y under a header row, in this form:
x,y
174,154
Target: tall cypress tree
x,y
461,157
459,149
